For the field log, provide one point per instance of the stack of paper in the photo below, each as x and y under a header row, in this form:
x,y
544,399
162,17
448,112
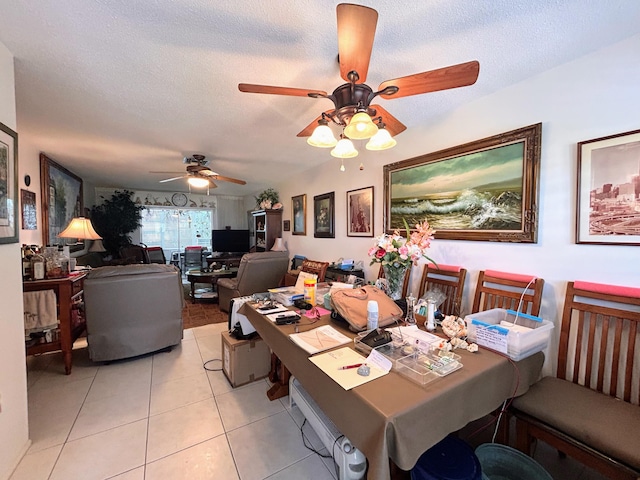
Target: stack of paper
x,y
338,365
319,339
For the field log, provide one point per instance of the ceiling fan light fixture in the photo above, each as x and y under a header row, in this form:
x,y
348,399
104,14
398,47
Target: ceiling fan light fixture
x,y
360,127
198,182
344,149
382,140
322,136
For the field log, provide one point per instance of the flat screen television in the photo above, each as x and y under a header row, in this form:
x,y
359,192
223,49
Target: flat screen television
x,y
230,241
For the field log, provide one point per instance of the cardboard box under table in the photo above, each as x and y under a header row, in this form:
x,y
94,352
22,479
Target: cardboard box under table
x,y
244,361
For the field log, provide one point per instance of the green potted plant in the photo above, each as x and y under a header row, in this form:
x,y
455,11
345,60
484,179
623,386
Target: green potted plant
x,y
268,199
115,219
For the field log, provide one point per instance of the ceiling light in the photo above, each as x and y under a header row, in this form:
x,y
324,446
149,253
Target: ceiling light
x,y
198,182
360,127
382,140
322,136
344,149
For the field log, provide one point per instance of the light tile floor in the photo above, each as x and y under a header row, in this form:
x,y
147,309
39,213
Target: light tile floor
x,y
164,417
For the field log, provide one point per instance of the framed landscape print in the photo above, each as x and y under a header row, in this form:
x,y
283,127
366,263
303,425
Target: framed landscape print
x,y
608,189
323,215
360,212
8,185
299,214
483,190
61,193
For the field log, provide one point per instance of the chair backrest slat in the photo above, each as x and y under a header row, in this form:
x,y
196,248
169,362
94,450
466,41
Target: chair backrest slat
x,y
449,279
604,319
504,290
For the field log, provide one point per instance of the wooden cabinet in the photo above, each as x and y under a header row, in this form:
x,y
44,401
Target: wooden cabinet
x,y
69,301
267,226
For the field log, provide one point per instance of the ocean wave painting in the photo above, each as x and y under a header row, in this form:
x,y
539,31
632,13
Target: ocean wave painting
x,y
485,190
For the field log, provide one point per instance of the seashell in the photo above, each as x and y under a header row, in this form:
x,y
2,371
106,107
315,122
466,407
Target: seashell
x,y
472,347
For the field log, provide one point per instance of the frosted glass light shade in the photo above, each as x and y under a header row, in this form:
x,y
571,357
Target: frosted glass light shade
x,y
322,137
360,127
381,140
344,149
198,182
80,228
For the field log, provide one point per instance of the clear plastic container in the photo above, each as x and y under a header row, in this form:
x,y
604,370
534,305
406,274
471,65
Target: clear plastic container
x,y
425,366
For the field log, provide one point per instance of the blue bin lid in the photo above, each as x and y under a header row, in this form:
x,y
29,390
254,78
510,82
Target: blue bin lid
x,y
449,459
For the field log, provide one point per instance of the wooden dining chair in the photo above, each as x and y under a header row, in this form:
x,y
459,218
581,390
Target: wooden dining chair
x,y
589,410
155,255
513,291
449,279
318,268
405,284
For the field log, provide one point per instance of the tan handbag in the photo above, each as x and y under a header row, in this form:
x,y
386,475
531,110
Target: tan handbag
x,y
351,304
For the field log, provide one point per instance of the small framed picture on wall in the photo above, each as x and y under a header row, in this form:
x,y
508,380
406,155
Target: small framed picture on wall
x,y
299,213
324,215
360,212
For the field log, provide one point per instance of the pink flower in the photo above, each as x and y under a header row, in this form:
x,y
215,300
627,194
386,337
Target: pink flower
x,y
381,253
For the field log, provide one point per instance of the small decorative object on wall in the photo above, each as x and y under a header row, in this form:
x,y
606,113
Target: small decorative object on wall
x,y
8,185
608,187
29,213
61,193
483,190
324,215
360,212
286,225
299,210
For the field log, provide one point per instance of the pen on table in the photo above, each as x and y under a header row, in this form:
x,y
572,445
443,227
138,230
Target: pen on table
x,y
347,367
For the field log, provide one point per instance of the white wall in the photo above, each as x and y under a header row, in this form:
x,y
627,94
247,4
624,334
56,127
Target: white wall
x,y
13,382
591,97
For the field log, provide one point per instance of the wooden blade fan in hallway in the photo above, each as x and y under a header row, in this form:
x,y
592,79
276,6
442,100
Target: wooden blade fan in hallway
x,y
197,167
356,32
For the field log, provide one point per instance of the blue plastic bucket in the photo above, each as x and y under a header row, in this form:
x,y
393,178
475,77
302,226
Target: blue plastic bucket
x,y
500,462
449,459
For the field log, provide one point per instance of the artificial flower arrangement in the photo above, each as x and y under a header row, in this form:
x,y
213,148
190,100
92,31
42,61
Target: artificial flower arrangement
x,y
398,251
269,199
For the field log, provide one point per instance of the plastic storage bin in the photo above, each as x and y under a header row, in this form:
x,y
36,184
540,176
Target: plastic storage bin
x,y
529,335
449,459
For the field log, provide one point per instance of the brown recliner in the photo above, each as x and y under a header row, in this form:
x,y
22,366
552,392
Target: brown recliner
x,y
257,273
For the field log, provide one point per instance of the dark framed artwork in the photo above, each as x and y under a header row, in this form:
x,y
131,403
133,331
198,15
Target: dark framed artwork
x,y
608,188
61,193
8,185
486,190
299,214
324,215
286,225
29,212
360,212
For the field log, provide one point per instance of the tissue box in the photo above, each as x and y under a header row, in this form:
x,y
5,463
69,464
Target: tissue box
x,y
488,329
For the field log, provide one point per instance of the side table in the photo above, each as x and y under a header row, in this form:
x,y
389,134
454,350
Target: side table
x,y
212,277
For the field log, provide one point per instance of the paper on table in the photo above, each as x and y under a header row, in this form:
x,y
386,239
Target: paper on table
x,y
331,363
319,339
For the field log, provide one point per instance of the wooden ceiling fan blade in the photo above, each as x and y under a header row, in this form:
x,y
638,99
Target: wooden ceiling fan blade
x,y
356,31
268,89
229,179
391,123
453,76
308,130
172,179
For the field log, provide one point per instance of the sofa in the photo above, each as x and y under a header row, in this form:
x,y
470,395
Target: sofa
x,y
132,310
258,272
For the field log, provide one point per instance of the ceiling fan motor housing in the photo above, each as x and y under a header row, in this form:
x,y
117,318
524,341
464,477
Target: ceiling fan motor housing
x,y
349,99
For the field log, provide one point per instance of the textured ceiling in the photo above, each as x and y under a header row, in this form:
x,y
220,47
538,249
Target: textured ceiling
x,y
114,89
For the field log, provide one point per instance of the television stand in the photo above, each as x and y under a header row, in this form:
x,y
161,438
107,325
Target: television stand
x,y
229,260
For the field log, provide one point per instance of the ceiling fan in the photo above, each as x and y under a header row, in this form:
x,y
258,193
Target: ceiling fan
x,y
356,31
199,174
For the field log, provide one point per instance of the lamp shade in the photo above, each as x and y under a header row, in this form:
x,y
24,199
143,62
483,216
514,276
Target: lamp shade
x,y
322,137
198,182
381,140
97,246
360,127
344,149
278,246
80,228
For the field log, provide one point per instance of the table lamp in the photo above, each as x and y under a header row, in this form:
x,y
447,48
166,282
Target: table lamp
x,y
278,246
81,229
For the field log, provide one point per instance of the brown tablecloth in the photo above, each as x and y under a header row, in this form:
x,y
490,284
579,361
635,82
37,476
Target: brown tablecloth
x,y
393,417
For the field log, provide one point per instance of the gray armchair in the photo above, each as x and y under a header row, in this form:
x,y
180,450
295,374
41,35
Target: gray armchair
x,y
257,272
132,310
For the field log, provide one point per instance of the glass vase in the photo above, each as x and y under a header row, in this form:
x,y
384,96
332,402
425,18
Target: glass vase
x,y
394,275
